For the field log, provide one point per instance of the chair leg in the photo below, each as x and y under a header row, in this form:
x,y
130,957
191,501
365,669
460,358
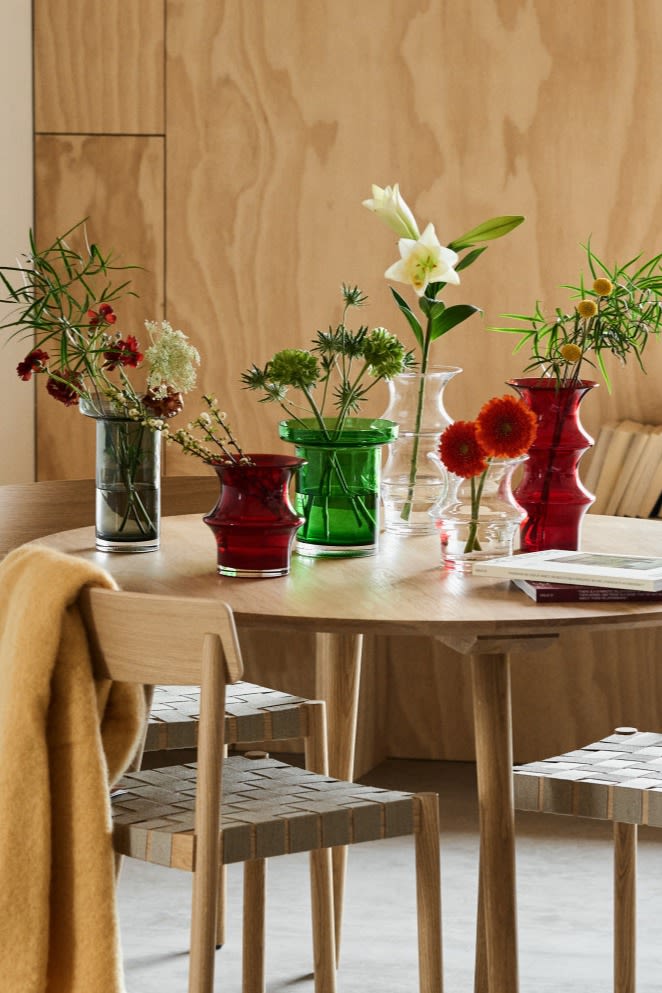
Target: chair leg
x,y
324,943
625,912
221,897
317,760
428,894
222,894
480,974
255,873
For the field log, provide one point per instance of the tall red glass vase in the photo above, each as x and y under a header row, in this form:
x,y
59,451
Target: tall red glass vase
x,y
551,491
254,522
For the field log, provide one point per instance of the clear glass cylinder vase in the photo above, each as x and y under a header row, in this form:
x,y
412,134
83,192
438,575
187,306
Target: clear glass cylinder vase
x,y
479,517
128,484
411,486
337,490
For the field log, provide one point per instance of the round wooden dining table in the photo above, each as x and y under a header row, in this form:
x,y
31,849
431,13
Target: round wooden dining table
x,y
402,590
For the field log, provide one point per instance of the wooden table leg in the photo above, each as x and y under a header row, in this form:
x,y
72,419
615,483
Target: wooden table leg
x,y
337,681
497,904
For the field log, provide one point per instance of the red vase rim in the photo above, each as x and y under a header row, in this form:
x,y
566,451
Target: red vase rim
x,y
546,383
262,460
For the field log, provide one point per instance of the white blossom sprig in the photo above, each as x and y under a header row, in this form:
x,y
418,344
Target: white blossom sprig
x,y
217,444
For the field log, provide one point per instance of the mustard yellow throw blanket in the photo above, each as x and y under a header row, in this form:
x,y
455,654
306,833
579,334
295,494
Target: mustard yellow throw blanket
x,y
63,739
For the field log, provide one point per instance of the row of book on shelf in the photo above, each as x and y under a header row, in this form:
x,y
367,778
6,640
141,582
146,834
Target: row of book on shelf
x,y
625,471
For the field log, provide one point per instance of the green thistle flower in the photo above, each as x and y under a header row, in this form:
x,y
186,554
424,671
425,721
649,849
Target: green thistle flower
x,y
384,353
342,365
294,367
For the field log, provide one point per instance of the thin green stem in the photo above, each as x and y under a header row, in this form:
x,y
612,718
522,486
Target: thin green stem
x,y
405,513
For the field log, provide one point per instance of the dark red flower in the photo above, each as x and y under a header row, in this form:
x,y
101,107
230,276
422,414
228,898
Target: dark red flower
x,y
33,362
506,427
62,387
124,352
163,406
104,315
460,450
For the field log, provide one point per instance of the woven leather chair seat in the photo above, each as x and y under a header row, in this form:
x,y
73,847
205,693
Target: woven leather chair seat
x,y
616,779
269,808
252,713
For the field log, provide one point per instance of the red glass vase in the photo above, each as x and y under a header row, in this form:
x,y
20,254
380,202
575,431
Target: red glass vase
x,y
551,491
254,522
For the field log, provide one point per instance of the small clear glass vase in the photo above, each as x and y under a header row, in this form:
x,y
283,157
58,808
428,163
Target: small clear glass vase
x,y
470,529
411,486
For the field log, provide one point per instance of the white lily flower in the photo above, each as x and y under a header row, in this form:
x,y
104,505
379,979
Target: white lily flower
x,y
424,261
388,204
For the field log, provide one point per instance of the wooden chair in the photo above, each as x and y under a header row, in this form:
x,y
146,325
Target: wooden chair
x,y
174,816
618,779
253,713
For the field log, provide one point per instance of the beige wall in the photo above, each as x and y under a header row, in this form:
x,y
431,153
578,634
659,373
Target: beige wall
x,y
16,182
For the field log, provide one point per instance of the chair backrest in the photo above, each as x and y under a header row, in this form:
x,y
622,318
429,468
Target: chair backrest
x,y
32,510
143,638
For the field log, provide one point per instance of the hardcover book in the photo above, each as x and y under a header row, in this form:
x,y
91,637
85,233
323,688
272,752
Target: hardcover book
x,y
574,593
635,572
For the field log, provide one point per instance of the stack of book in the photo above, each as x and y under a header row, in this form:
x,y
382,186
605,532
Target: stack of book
x,y
561,576
625,472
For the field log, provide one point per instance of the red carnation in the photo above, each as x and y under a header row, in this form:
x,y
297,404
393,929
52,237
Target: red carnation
x,y
63,385
124,352
460,450
104,315
33,362
506,427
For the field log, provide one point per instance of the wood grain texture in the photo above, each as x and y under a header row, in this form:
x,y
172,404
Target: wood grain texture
x,y
278,118
99,67
608,675
117,183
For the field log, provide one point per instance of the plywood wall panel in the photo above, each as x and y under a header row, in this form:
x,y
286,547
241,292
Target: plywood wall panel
x,y
99,66
575,692
279,116
116,182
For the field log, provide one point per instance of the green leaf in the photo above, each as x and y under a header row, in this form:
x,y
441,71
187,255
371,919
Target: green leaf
x,y
431,308
450,318
470,258
496,227
413,321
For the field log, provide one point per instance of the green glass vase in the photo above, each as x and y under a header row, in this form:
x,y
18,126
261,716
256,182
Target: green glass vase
x,y
337,491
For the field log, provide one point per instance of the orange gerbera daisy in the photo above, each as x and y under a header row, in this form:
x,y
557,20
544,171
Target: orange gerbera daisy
x,y
460,451
505,427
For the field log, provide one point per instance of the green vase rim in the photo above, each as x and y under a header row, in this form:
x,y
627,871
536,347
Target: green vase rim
x,y
356,432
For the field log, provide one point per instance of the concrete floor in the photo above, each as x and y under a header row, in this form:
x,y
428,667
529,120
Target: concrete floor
x,y
564,899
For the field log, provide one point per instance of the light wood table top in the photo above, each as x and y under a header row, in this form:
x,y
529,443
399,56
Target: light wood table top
x,y
400,590
403,590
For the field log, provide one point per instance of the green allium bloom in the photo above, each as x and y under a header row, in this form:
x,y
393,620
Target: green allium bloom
x,y
294,367
171,358
384,353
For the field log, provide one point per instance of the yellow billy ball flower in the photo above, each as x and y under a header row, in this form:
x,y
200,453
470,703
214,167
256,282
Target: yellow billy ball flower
x,y
603,286
587,308
570,352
